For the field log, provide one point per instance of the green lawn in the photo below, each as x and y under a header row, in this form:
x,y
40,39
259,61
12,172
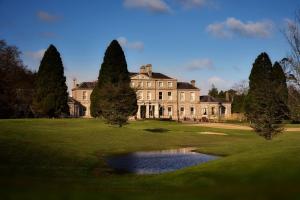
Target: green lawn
x,y
51,159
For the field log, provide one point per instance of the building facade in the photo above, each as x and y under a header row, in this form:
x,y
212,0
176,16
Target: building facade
x,y
160,96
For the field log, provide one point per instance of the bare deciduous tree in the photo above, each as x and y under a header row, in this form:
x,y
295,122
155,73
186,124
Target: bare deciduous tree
x,y
291,64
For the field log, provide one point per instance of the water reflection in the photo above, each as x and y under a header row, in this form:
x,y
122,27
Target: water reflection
x,y
155,162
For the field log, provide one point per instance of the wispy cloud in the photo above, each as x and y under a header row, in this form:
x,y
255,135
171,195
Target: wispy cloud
x,y
47,17
200,64
35,55
48,34
235,27
159,6
189,4
136,45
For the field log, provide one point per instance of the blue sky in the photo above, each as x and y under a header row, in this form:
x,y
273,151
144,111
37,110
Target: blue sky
x,y
211,41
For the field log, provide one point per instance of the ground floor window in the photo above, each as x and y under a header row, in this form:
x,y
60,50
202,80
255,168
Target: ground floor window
x,y
192,109
213,110
169,111
181,110
161,111
204,111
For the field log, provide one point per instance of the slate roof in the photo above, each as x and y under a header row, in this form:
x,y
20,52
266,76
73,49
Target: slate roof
x,y
154,75
210,99
87,85
185,85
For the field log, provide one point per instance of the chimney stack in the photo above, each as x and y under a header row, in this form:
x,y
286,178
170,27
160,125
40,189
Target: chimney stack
x,y
193,82
74,82
149,70
142,69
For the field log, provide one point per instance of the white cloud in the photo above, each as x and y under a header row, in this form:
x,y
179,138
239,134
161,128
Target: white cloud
x,y
35,55
159,6
47,17
234,27
200,64
136,45
188,4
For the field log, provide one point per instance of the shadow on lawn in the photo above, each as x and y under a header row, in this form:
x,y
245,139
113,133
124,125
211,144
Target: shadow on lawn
x,y
157,130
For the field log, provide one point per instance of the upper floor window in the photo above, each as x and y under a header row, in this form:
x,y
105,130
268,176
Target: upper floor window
x,y
160,95
160,84
148,84
148,95
139,95
169,95
170,84
182,96
84,96
140,84
192,96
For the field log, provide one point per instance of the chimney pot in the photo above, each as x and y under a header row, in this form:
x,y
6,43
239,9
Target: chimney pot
x,y
193,83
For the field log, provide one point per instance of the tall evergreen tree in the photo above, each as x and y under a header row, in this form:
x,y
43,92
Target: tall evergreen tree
x,y
51,90
213,91
261,104
113,98
281,90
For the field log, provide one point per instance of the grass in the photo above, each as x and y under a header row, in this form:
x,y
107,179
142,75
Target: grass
x,y
51,159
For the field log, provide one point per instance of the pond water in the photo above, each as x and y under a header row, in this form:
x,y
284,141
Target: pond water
x,y
155,162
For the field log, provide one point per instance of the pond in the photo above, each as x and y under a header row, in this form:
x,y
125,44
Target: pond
x,y
155,162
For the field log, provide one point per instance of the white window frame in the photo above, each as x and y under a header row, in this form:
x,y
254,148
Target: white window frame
x,y
192,113
160,84
170,113
148,95
182,112
170,84
182,96
149,84
169,96
84,95
193,96
162,96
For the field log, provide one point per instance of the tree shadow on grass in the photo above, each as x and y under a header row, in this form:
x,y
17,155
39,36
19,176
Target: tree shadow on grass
x,y
157,130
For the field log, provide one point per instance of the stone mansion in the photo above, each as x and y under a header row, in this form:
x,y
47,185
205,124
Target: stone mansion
x,y
159,96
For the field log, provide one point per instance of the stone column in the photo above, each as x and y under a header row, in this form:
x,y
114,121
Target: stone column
x,y
147,111
138,114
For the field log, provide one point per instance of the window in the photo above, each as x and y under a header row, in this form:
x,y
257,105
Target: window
x,y
148,84
169,95
182,96
169,111
148,95
140,84
132,84
170,84
160,84
192,111
84,97
204,111
161,111
160,95
181,110
140,95
192,96
213,110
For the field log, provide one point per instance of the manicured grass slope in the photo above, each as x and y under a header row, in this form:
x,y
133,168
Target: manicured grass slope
x,y
65,158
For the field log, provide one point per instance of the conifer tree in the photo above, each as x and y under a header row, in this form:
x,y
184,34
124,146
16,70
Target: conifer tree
x,y
113,98
261,104
51,97
281,90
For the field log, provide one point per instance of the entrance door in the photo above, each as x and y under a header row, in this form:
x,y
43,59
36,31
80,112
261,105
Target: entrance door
x,y
143,112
